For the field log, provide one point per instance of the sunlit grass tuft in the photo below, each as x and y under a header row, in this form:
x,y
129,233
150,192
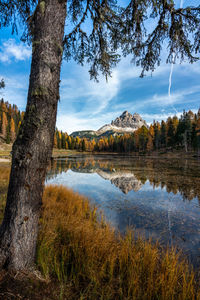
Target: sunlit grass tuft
x,y
91,262
4,178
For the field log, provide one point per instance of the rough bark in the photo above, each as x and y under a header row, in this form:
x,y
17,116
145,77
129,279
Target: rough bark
x,y
33,146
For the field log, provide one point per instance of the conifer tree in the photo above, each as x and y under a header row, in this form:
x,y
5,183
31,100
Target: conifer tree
x,y
69,141
198,134
83,145
170,133
58,135
63,140
163,133
156,127
2,83
55,141
143,138
12,130
8,133
149,143
4,125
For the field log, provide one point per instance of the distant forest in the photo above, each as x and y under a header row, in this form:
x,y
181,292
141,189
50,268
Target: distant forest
x,y
182,133
176,133
10,120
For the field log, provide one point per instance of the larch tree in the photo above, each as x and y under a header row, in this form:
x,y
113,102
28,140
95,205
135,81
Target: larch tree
x,y
4,124
55,141
2,83
108,28
198,134
150,143
12,130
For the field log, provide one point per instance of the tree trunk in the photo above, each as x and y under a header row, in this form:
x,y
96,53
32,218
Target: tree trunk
x,y
33,147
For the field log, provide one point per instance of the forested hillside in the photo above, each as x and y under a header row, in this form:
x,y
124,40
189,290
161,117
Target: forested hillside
x,y
10,120
176,133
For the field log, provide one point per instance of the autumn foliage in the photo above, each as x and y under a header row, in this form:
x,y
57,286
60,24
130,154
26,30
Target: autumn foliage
x,y
10,120
182,133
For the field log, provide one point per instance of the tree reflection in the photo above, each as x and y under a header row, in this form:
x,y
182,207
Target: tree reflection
x,y
130,173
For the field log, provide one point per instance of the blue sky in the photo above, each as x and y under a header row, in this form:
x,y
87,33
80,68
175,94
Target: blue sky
x,y
86,104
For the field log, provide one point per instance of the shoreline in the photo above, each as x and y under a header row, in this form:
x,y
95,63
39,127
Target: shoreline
x,y
5,159
59,153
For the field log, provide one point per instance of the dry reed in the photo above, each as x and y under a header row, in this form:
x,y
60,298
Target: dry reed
x,y
4,177
91,262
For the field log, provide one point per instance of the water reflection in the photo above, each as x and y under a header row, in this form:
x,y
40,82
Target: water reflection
x,y
158,198
177,176
123,180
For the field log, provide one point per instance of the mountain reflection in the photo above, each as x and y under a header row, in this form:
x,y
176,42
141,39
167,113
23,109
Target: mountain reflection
x,y
125,181
130,174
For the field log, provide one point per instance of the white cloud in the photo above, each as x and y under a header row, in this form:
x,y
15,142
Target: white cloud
x,y
176,97
81,121
11,50
94,96
16,89
162,100
162,116
71,123
97,96
85,104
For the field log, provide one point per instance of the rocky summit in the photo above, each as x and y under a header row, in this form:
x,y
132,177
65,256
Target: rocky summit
x,y
128,120
122,124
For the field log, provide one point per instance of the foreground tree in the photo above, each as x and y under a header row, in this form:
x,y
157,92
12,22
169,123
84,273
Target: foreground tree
x,y
112,28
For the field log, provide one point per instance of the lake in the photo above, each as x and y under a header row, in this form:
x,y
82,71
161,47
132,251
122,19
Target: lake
x,y
158,198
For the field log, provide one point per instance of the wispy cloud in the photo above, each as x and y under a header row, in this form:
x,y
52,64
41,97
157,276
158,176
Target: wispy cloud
x,y
162,116
162,100
96,97
81,121
177,97
11,50
89,105
15,91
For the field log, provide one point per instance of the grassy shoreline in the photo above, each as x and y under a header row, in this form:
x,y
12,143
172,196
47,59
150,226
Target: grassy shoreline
x,y
91,262
5,153
81,257
155,154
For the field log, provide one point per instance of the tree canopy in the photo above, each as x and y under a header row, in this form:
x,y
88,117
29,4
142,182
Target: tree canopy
x,y
2,84
141,28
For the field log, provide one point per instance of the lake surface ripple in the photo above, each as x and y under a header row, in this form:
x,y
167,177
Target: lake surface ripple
x,y
159,198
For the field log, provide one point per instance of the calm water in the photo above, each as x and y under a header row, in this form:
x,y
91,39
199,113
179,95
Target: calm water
x,y
160,199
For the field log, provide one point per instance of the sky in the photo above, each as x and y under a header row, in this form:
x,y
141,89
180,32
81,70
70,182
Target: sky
x,y
87,105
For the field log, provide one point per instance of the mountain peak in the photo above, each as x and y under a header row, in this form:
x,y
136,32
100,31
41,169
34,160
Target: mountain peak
x,y
125,113
127,120
125,123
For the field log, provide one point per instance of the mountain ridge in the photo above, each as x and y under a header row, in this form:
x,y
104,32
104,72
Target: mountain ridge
x,y
125,123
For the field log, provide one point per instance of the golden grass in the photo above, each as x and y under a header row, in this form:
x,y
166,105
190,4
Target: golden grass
x,y
91,262
63,152
4,178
